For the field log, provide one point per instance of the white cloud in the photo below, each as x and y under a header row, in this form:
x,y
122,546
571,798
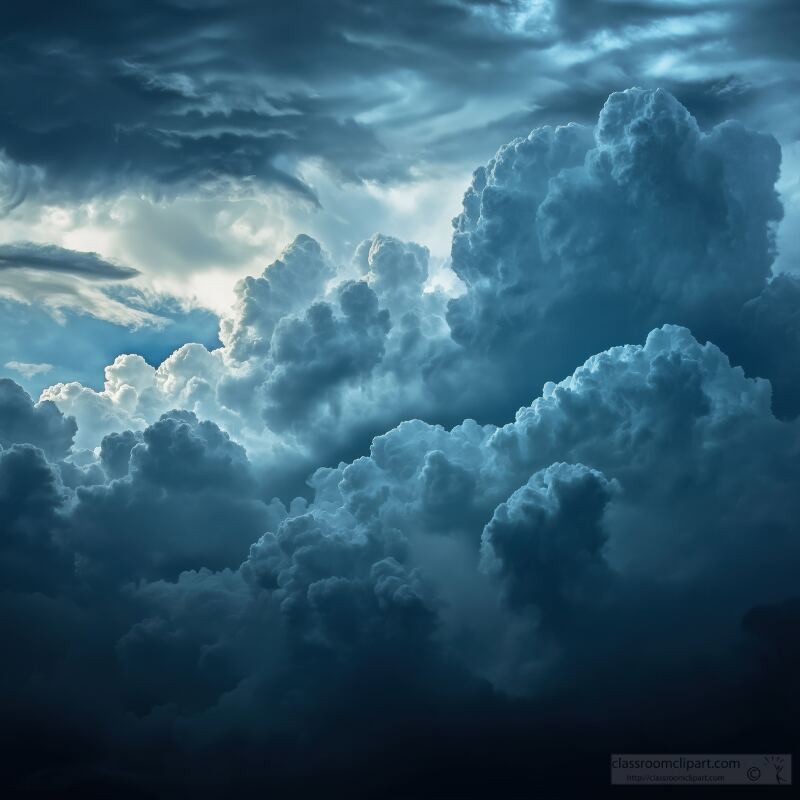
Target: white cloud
x,y
28,369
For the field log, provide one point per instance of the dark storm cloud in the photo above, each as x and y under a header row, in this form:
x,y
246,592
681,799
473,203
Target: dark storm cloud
x,y
168,96
115,452
583,536
548,538
40,424
181,478
50,258
33,559
571,239
614,559
314,354
565,223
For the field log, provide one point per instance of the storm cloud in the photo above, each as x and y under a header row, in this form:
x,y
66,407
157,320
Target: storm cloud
x,y
570,240
193,140
591,508
391,538
138,107
41,424
157,99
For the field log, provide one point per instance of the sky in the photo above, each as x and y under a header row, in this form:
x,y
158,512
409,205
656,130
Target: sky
x,y
396,396
191,141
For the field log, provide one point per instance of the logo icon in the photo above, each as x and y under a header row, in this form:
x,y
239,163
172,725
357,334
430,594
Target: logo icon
x,y
777,763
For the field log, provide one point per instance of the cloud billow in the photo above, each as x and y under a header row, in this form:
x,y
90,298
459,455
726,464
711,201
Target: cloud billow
x,y
40,424
589,510
570,241
455,593
648,221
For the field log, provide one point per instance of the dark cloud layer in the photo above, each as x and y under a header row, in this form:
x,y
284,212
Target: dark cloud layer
x,y
554,596
154,98
482,608
169,97
49,258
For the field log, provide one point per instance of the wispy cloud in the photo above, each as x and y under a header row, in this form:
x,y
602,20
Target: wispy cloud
x,y
27,369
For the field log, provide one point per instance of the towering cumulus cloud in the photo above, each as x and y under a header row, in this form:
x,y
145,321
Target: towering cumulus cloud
x,y
321,557
570,240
